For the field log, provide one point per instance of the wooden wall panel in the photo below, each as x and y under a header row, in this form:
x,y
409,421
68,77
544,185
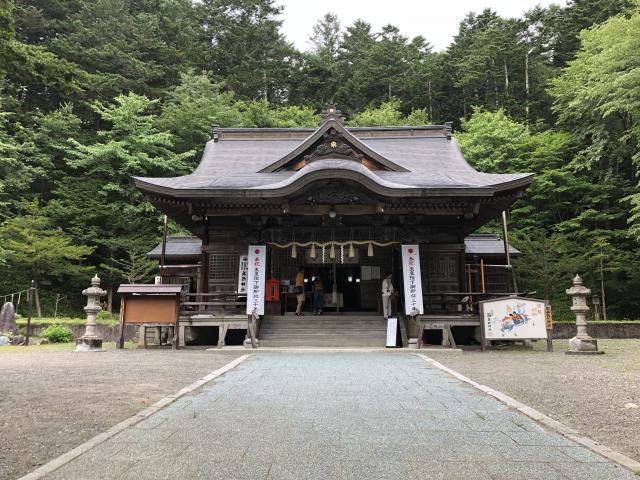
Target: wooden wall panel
x,y
150,309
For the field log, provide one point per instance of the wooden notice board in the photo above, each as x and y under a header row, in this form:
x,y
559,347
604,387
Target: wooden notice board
x,y
151,309
149,304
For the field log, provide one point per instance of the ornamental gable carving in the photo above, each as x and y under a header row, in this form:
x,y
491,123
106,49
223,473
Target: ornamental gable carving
x,y
332,145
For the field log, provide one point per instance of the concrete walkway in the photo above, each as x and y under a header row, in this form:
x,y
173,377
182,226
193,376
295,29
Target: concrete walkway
x,y
338,415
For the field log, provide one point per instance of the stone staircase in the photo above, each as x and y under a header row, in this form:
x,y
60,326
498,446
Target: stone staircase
x,y
337,331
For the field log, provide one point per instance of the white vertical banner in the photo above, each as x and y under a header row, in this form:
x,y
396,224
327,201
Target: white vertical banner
x,y
256,280
243,272
412,280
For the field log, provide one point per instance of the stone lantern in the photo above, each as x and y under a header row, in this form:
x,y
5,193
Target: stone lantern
x,y
91,341
582,343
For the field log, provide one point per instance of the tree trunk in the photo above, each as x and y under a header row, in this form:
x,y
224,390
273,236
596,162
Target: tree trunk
x,y
526,87
506,76
110,300
37,299
430,104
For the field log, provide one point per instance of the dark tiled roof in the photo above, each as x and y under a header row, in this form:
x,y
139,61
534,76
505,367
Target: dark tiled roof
x,y
487,244
434,164
178,247
150,289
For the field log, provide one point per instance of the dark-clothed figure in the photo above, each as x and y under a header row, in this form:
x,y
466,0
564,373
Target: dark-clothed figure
x,y
318,296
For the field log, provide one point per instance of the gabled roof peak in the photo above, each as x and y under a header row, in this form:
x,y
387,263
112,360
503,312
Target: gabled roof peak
x,y
332,139
331,112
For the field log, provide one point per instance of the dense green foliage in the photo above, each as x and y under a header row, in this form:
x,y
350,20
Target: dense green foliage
x,y
95,92
57,334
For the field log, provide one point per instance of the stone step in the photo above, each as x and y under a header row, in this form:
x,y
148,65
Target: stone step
x,y
337,331
330,331
320,344
373,334
273,329
325,326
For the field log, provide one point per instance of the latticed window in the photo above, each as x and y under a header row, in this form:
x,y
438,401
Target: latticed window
x,y
184,281
223,272
282,265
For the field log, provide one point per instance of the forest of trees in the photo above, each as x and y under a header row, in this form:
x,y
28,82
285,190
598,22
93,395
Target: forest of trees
x,y
95,91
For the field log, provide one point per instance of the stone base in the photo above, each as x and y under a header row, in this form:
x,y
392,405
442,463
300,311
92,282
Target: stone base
x,y
247,343
413,343
583,346
89,344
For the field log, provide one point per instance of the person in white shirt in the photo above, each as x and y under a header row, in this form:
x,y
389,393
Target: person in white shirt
x,y
387,291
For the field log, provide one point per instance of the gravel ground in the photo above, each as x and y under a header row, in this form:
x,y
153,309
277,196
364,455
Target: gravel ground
x,y
51,401
587,393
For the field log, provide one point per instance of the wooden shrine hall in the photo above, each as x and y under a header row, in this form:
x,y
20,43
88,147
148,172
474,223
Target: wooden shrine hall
x,y
341,203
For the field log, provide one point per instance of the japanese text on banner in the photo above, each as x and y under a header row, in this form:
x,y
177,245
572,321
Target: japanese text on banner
x,y
412,280
256,279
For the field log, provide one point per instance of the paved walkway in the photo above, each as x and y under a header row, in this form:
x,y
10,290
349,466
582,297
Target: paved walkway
x,y
338,416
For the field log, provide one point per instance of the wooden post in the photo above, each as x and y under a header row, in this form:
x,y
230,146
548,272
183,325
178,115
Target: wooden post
x,y
251,331
164,247
482,274
507,254
549,321
32,289
120,344
174,342
417,321
55,309
469,289
483,334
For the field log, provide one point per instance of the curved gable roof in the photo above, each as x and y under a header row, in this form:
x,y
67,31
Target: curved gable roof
x,y
420,161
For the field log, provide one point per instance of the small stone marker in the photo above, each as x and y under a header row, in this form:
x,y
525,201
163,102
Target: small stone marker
x,y
582,343
90,341
4,341
8,318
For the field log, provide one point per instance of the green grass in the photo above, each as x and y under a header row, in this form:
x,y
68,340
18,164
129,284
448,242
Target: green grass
x,y
599,321
58,347
102,319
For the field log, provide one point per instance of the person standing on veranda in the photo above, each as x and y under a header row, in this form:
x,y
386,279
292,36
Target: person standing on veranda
x,y
318,296
387,292
299,290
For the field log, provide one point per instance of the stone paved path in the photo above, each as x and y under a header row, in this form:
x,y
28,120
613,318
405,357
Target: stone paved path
x,y
338,416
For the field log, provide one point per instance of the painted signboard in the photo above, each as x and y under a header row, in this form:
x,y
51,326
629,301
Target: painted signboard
x,y
243,273
412,280
256,280
513,318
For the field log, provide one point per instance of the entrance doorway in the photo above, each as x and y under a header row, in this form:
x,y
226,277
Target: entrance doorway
x,y
358,280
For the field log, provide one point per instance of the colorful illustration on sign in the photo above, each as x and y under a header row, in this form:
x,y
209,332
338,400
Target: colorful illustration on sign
x,y
512,318
515,317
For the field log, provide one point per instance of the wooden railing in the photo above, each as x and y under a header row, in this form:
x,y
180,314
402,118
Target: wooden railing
x,y
213,303
456,303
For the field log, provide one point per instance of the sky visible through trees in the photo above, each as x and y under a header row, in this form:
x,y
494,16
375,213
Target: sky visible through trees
x,y
93,92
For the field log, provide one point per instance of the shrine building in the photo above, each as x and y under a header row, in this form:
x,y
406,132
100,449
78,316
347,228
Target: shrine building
x,y
340,202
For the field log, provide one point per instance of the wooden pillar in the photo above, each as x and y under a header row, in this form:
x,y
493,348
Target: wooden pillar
x,y
203,286
203,283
